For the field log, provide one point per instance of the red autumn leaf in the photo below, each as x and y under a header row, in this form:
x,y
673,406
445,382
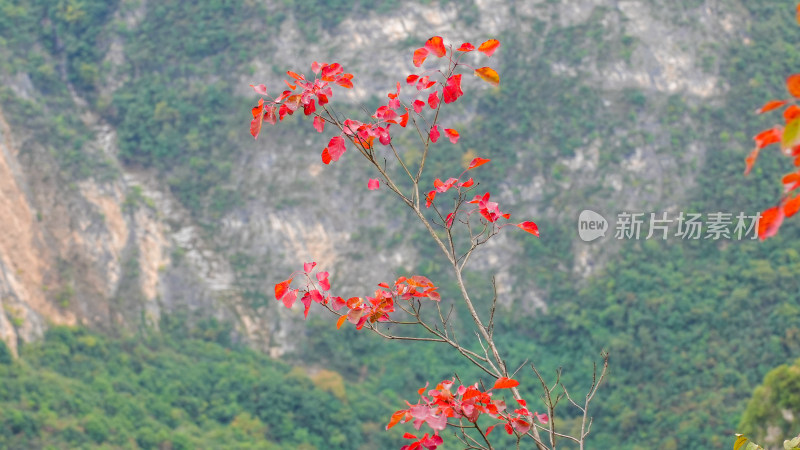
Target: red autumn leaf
x,y
451,134
373,184
770,105
341,321
419,56
489,430
295,76
751,160
542,418
466,47
467,183
418,105
435,133
326,156
791,113
489,75
770,222
289,298
307,267
335,149
282,288
345,81
477,162
530,227
452,90
793,84
258,119
429,198
411,79
324,284
505,383
436,45
768,137
319,124
791,207
260,89
309,108
433,100
489,46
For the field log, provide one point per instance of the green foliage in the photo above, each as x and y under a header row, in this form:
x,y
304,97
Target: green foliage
x,y
774,404
81,389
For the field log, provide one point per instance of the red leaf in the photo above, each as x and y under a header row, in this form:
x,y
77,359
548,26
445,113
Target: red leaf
x,y
770,105
326,156
750,160
436,45
466,47
411,79
289,298
477,162
258,119
451,134
433,100
505,383
373,184
260,89
768,137
345,81
418,105
307,267
452,90
309,108
322,277
435,133
336,148
295,76
770,222
793,84
419,56
489,430
790,113
340,321
489,75
791,207
489,46
319,124
530,227
282,288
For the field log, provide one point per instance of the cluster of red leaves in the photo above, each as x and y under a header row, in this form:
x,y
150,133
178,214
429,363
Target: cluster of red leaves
x,y
395,112
439,405
788,136
312,92
489,210
359,311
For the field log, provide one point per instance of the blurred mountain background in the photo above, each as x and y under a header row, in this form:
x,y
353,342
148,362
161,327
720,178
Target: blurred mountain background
x,y
142,229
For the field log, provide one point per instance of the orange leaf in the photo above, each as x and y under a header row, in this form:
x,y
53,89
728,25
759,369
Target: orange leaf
x,y
770,222
489,75
770,105
258,119
793,84
750,160
791,112
791,207
477,162
436,45
466,47
419,56
341,321
768,137
489,46
530,227
505,383
294,75
282,288
798,13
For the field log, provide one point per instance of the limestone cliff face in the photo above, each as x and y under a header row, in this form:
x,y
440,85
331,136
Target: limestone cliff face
x,y
117,253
